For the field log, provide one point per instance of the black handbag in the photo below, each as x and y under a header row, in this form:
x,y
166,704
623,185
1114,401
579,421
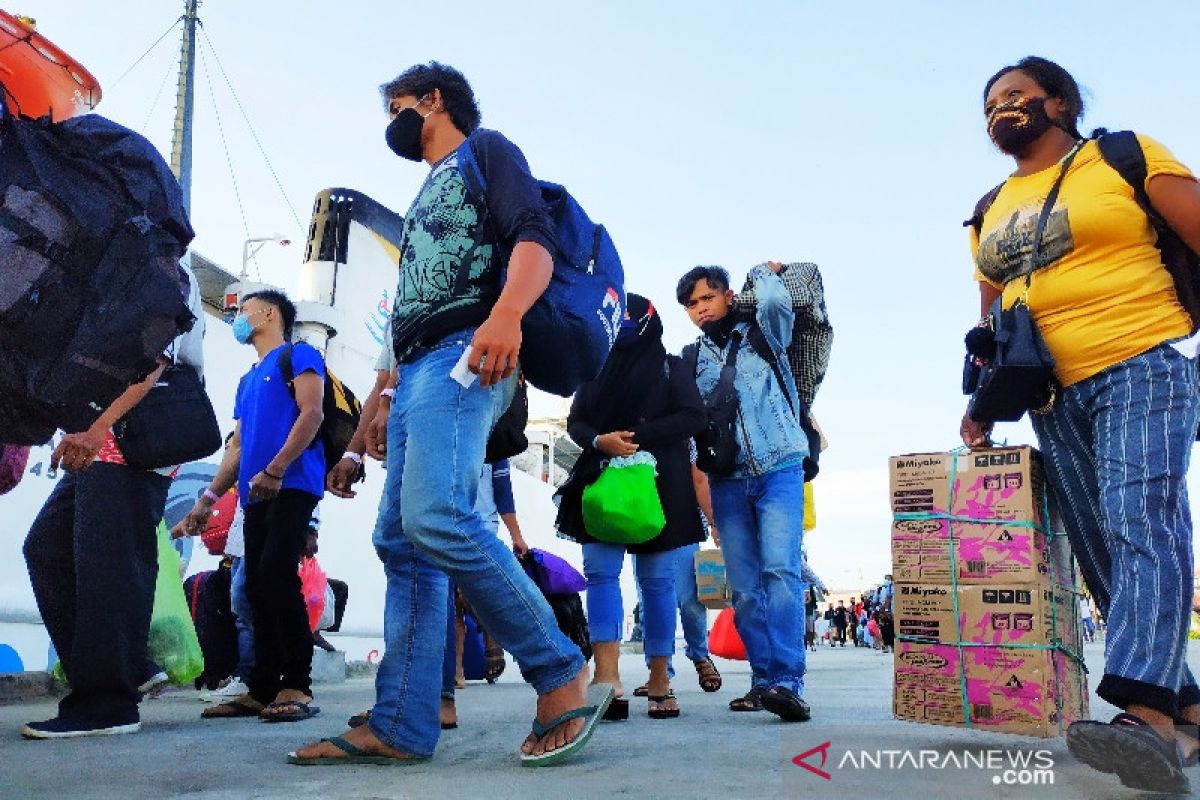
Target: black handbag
x,y
1019,377
717,448
1015,372
173,424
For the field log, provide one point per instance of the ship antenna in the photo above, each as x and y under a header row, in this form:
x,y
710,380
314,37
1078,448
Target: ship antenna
x,y
185,97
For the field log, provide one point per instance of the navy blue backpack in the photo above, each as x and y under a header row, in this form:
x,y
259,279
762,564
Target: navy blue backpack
x,y
567,335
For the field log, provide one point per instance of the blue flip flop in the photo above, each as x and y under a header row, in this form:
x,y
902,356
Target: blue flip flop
x,y
600,696
354,755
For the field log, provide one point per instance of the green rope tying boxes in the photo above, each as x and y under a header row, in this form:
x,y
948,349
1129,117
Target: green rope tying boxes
x,y
985,599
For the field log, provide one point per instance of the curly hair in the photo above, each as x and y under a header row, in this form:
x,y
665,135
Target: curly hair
x,y
421,79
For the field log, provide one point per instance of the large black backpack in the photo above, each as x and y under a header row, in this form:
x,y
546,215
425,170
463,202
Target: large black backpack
x,y
92,227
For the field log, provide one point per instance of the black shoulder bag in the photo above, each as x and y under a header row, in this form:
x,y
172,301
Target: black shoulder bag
x,y
1019,375
716,446
173,424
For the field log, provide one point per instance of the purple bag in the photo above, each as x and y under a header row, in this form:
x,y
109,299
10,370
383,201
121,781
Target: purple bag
x,y
13,459
552,574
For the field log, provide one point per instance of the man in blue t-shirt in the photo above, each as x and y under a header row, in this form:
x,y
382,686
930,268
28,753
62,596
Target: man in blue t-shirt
x,y
470,268
278,463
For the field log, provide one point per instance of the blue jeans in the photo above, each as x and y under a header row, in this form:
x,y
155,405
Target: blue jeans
x,y
1117,447
692,612
655,573
239,604
761,524
429,529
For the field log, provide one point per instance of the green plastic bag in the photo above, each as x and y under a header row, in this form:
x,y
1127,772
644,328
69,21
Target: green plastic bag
x,y
172,644
622,505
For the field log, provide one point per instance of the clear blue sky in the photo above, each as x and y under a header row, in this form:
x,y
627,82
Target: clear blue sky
x,y
700,132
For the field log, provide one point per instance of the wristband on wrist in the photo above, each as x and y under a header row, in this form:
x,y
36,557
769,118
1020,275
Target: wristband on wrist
x,y
388,393
272,477
209,494
353,456
596,442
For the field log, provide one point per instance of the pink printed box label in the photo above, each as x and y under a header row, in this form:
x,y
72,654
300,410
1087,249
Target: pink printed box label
x,y
983,552
1002,483
1007,690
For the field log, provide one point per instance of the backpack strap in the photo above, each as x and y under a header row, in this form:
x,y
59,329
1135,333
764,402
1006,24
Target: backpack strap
x,y
196,595
476,185
981,208
691,357
691,353
1122,151
285,367
763,348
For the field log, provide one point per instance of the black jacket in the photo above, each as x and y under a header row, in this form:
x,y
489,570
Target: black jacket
x,y
663,419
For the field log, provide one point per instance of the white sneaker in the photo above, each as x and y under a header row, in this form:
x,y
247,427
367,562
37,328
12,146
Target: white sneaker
x,y
230,687
153,682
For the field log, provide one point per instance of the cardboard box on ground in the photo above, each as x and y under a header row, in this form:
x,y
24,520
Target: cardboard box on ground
x,y
982,516
712,587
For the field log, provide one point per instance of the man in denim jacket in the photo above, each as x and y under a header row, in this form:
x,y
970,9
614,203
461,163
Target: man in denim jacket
x,y
759,506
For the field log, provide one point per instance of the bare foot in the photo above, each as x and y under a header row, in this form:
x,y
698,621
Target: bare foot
x,y
567,697
362,738
286,696
448,714
614,681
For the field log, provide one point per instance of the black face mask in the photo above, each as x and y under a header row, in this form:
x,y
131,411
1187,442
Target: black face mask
x,y
1015,125
404,134
719,331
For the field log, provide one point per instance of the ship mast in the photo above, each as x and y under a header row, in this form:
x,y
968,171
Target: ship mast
x,y
181,139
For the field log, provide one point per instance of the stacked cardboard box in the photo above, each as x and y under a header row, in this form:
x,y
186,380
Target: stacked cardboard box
x,y
974,564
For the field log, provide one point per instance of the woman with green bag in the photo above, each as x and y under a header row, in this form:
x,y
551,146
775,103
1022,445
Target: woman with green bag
x,y
631,491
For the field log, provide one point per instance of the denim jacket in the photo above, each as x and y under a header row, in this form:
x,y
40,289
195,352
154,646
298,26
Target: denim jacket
x,y
768,431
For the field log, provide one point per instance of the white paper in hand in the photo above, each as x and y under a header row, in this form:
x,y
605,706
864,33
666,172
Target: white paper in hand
x,y
461,373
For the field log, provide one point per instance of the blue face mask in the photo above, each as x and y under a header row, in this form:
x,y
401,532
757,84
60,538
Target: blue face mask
x,y
242,329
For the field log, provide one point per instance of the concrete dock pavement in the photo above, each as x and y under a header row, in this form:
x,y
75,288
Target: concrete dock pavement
x,y
708,752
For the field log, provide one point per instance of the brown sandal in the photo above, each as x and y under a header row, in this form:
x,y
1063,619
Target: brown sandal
x,y
710,678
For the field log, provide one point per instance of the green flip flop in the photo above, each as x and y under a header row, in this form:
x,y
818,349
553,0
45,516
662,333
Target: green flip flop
x,y
600,696
354,755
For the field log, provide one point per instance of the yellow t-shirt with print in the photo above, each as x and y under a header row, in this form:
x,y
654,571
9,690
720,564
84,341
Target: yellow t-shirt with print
x,y
1104,295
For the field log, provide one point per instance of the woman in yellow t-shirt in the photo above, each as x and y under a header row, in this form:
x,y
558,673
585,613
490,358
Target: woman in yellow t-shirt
x,y
1118,438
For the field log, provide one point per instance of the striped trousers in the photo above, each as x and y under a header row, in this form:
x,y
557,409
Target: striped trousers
x,y
1117,447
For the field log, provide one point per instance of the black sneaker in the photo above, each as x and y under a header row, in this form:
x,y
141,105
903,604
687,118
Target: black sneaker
x,y
1133,750
59,728
786,704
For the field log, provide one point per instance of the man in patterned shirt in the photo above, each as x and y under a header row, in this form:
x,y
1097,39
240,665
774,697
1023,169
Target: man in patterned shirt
x,y
470,268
